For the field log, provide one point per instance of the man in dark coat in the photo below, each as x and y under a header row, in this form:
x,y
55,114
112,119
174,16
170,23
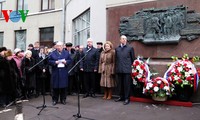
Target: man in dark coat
x,y
124,58
89,66
35,54
72,89
59,59
98,75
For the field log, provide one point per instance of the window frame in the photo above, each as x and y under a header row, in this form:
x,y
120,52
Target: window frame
x,y
49,42
48,6
25,38
3,38
1,4
77,34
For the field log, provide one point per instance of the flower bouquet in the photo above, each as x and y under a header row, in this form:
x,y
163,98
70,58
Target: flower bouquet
x,y
159,88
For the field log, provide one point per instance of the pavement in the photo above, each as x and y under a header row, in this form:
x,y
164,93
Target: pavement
x,y
99,109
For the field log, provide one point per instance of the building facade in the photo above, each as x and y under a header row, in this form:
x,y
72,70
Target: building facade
x,y
43,23
47,21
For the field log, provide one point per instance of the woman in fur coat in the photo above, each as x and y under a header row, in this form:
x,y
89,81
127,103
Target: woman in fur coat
x,y
106,68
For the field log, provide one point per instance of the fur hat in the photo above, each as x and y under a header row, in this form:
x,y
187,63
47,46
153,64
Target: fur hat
x,y
17,50
99,43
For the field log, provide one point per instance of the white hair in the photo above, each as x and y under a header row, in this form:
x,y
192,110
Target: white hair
x,y
27,52
124,37
59,43
89,39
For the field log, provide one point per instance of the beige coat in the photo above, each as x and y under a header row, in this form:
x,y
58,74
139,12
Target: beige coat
x,y
106,68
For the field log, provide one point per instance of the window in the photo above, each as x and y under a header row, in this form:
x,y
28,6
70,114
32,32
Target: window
x,y
1,39
46,36
22,5
20,39
81,28
48,4
1,7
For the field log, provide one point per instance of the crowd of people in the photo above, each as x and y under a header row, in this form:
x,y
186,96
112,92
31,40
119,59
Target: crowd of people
x,y
65,70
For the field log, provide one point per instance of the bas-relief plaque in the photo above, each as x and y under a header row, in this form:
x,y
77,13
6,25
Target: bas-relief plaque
x,y
161,25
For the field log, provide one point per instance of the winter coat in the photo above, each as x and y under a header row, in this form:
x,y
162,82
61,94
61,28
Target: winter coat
x,y
43,65
90,62
18,63
124,58
5,79
59,77
106,68
72,55
27,73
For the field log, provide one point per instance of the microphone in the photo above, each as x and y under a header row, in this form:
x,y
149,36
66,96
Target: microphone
x,y
88,50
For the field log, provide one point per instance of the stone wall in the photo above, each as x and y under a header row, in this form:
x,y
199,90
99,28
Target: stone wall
x,y
160,54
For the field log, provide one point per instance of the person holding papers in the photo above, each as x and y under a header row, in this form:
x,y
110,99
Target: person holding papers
x,y
59,59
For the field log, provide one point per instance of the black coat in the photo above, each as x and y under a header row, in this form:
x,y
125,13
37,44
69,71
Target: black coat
x,y
16,83
29,75
5,79
43,65
124,58
73,62
90,62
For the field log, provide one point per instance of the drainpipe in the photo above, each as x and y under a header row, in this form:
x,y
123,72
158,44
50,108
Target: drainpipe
x,y
64,21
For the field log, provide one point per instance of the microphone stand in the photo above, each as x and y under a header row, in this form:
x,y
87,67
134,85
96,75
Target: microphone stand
x,y
78,115
43,106
41,61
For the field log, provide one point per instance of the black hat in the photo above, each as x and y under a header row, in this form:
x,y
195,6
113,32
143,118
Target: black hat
x,y
30,45
3,49
77,46
68,44
99,43
54,43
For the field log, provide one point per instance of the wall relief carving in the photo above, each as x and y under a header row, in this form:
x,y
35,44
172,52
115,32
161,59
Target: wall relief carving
x,y
161,26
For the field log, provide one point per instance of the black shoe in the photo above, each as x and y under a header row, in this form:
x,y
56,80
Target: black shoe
x,y
36,95
126,102
63,102
93,95
119,99
86,95
2,105
54,103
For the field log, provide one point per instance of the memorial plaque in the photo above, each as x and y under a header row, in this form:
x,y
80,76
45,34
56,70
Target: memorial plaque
x,y
161,25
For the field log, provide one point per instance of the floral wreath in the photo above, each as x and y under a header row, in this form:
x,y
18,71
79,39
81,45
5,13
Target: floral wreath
x,y
140,71
158,87
182,72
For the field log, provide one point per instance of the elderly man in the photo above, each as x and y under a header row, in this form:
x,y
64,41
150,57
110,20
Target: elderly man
x,y
124,58
89,67
59,59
